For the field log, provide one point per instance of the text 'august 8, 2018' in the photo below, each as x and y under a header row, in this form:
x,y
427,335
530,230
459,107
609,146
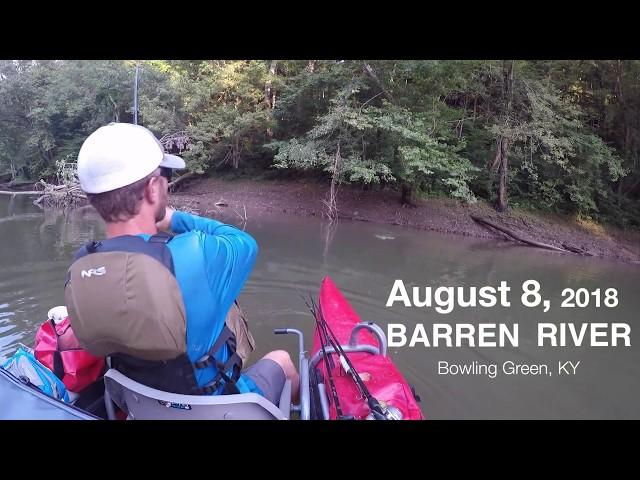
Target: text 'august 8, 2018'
x,y
445,299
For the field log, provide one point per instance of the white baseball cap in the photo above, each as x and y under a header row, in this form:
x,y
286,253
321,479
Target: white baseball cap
x,y
120,154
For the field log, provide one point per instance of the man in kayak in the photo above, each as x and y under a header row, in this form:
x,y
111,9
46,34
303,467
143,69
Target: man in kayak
x,y
155,303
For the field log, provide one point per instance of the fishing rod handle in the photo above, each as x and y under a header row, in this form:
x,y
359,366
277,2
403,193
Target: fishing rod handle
x,y
344,364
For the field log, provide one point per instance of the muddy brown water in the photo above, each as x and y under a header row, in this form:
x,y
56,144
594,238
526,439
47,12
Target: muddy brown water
x,y
364,260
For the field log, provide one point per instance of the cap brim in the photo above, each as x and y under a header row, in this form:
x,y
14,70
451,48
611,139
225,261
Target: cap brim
x,y
172,161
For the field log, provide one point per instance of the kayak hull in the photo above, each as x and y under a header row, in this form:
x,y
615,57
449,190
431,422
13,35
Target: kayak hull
x,y
380,375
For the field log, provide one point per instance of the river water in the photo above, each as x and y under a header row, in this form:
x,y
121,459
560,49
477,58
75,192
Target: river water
x,y
364,260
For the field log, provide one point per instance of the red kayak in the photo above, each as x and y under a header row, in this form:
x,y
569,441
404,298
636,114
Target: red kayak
x,y
378,372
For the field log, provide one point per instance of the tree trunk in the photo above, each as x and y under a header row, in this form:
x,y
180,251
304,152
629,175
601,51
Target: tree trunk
x,y
475,108
460,124
407,194
235,153
269,91
406,190
508,83
13,170
502,175
619,192
375,78
331,203
116,114
500,163
627,131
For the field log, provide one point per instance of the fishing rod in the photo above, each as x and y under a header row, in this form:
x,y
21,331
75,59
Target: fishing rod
x,y
379,412
328,364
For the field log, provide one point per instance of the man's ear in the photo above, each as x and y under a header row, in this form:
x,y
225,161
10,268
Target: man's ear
x,y
152,190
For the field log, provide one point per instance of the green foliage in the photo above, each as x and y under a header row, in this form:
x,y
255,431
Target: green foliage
x,y
556,156
337,144
573,127
423,153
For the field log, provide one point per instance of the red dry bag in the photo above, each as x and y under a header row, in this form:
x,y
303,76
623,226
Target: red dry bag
x,y
58,348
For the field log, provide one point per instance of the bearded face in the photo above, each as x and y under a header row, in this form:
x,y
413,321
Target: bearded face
x,y
162,203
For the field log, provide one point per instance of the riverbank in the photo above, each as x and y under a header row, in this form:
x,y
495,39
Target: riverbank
x,y
252,198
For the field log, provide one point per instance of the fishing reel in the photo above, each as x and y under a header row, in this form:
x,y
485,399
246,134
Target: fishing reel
x,y
389,412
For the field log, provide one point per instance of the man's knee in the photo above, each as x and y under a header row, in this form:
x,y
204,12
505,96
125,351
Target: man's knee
x,y
282,358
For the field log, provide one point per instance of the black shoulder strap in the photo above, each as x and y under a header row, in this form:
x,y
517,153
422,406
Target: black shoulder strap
x,y
233,363
156,247
161,237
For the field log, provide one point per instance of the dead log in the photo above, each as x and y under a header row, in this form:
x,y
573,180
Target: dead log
x,y
173,185
24,192
517,236
578,250
24,216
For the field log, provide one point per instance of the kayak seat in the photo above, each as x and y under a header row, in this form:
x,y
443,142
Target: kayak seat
x,y
140,402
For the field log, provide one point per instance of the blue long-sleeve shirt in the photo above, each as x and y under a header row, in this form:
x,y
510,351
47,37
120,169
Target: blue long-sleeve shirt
x,y
212,261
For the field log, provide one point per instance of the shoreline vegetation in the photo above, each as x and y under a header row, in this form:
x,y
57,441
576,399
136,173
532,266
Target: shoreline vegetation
x,y
246,198
243,199
481,148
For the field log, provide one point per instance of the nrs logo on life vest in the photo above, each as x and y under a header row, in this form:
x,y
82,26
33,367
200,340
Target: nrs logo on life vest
x,y
93,271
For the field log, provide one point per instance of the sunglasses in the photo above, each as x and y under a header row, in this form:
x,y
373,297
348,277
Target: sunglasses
x,y
166,173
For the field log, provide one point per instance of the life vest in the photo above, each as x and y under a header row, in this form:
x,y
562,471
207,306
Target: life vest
x,y
124,302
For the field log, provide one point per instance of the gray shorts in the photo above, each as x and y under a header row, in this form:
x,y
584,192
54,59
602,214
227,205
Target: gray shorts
x,y
269,377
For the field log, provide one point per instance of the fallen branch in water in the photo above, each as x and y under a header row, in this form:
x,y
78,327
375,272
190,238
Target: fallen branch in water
x,y
59,195
242,217
519,237
23,192
24,216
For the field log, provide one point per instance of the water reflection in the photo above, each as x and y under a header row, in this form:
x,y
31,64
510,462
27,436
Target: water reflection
x,y
364,260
